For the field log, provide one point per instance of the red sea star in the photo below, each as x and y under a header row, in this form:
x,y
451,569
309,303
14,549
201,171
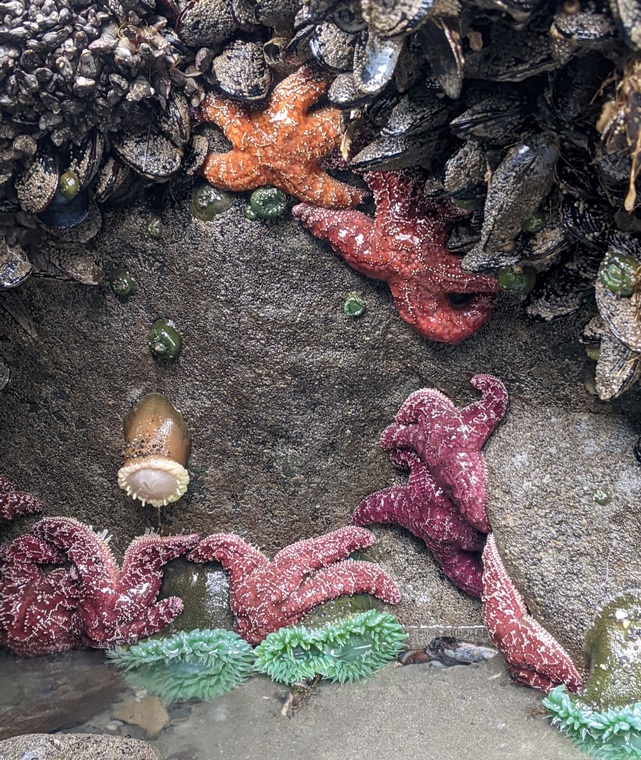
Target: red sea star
x,y
281,144
423,508
405,247
533,655
449,441
267,595
116,606
36,608
14,503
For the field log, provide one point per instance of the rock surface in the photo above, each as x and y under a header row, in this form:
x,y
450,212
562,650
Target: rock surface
x,y
148,713
286,397
76,746
48,694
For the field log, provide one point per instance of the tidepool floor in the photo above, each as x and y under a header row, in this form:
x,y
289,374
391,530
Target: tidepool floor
x,y
416,711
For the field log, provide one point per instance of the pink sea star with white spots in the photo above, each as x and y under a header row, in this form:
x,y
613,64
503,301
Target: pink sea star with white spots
x,y
533,655
449,441
36,607
267,595
116,605
14,503
405,246
422,507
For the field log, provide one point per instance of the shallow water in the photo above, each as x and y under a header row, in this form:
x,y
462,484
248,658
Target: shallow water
x,y
416,711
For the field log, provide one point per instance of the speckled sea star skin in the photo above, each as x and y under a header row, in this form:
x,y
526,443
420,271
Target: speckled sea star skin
x,y
423,508
405,247
533,655
36,608
14,503
267,595
281,144
449,441
116,606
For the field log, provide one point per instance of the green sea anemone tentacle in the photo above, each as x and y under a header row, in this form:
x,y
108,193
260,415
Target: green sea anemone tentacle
x,y
613,734
353,648
198,664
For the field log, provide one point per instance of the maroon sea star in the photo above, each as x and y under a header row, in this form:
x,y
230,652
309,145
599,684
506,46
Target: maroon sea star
x,y
14,503
424,509
267,595
280,144
449,441
36,607
116,606
533,655
405,247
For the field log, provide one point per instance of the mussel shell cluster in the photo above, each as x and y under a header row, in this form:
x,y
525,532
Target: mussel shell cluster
x,y
525,112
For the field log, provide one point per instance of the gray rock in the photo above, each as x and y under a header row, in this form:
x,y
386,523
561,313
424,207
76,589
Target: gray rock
x,y
286,397
76,746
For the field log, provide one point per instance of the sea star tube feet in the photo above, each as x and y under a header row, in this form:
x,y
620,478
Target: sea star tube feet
x,y
116,605
267,595
280,145
405,246
532,654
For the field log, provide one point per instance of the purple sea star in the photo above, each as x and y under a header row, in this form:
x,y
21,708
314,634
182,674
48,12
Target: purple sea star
x,y
533,655
267,595
449,441
116,606
424,509
36,607
405,247
14,503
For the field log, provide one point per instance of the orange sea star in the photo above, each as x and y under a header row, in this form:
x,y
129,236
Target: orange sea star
x,y
281,144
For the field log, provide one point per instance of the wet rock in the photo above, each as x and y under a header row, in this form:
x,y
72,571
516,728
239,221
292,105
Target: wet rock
x,y
76,746
55,692
286,399
148,713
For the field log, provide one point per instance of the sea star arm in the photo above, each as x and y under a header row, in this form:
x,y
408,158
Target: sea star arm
x,y
14,503
236,556
148,621
533,655
348,232
30,549
235,170
322,131
228,115
315,184
345,578
297,92
434,316
314,553
85,548
462,567
142,567
482,417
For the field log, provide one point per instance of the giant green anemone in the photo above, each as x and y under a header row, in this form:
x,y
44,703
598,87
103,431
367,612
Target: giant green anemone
x,y
350,649
613,733
604,719
199,664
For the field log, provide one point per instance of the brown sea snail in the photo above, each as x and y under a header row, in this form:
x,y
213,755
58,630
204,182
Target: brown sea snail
x,y
157,445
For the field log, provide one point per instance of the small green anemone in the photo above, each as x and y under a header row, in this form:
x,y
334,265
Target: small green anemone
x,y
353,648
198,664
614,733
